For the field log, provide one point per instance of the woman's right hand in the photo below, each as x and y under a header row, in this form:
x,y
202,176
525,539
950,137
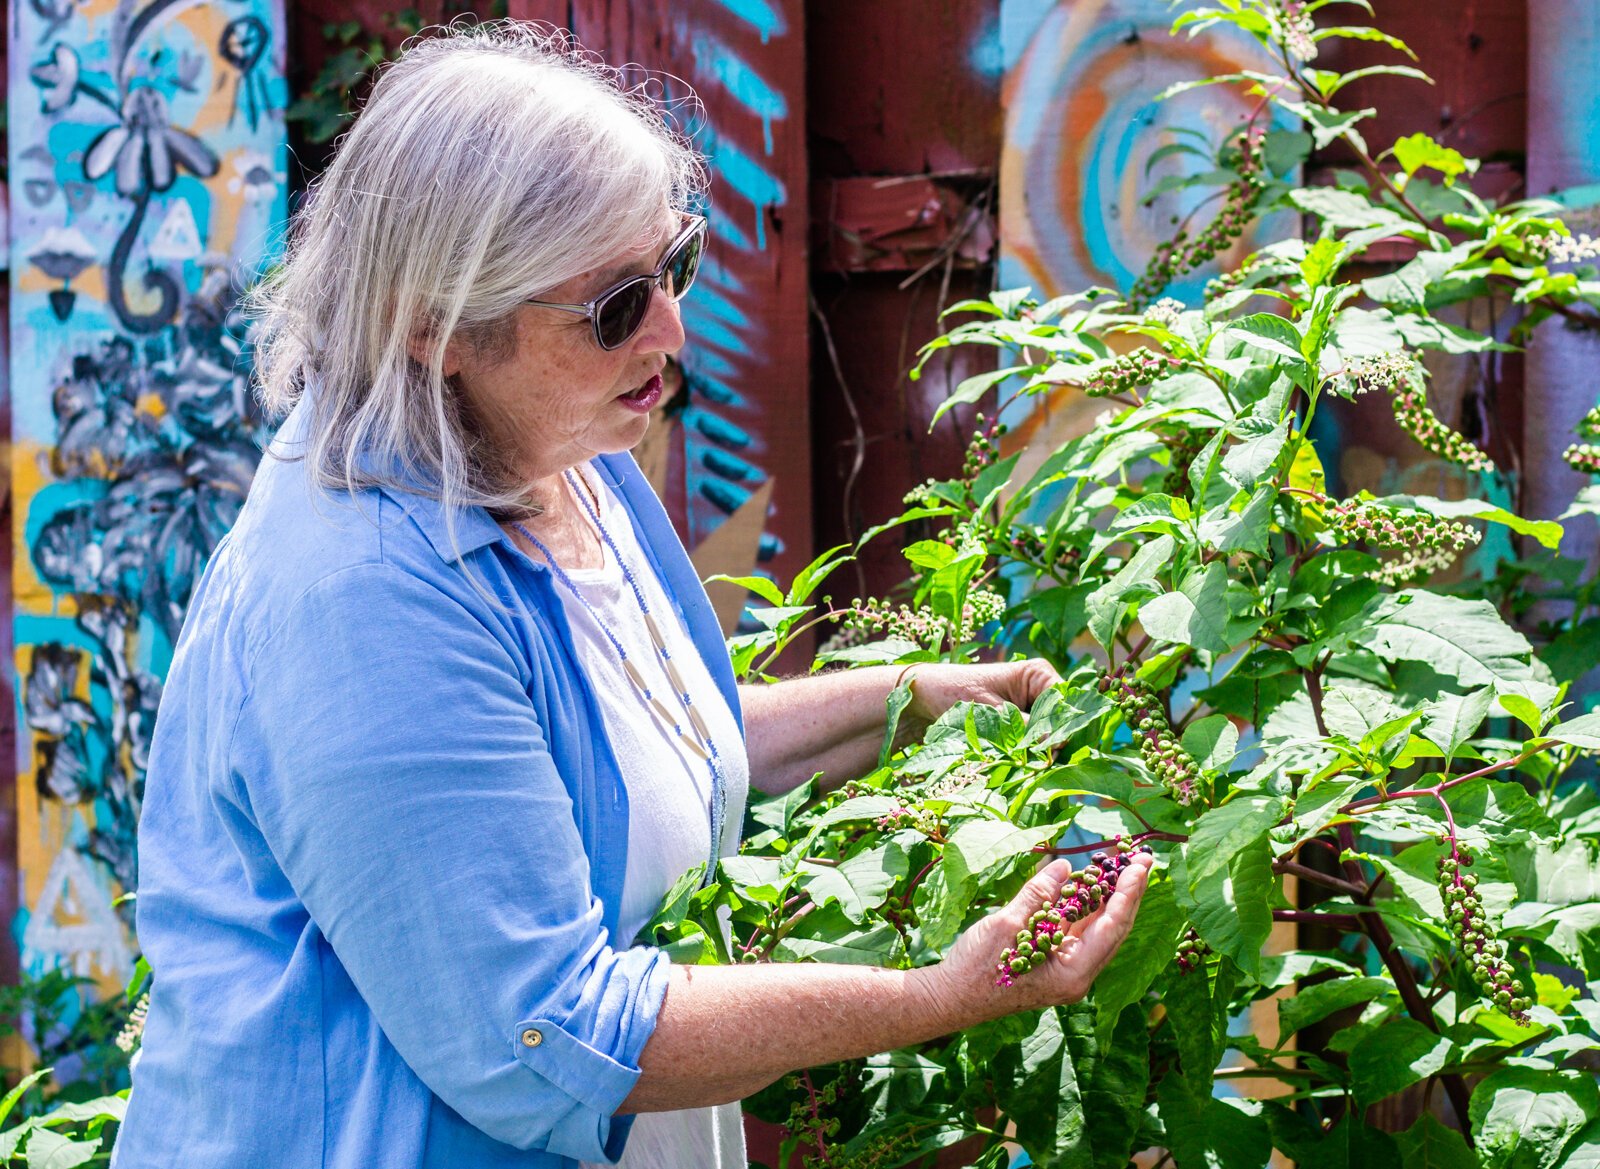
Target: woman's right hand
x,y
968,970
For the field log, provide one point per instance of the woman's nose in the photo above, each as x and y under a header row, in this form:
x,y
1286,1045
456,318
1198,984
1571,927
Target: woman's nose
x,y
663,324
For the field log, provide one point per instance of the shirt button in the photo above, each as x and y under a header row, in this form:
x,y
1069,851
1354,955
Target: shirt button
x,y
532,1038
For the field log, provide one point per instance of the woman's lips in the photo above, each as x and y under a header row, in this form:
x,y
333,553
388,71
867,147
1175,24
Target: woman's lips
x,y
643,399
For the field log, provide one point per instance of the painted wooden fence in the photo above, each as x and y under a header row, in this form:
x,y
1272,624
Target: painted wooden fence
x,y
146,159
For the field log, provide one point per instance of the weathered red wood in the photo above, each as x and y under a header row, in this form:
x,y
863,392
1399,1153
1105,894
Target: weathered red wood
x,y
894,90
898,223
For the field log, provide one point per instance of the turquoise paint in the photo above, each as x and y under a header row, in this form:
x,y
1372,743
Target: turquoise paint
x,y
759,15
729,232
708,331
714,59
749,179
56,498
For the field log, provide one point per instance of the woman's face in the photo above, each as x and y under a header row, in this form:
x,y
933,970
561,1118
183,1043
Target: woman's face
x,y
561,399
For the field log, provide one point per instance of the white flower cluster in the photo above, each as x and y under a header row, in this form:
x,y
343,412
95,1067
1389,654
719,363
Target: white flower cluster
x,y
1570,249
1164,312
1380,372
1297,29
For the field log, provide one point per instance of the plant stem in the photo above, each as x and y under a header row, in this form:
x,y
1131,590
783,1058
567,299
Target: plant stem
x,y
1437,789
1317,877
1343,921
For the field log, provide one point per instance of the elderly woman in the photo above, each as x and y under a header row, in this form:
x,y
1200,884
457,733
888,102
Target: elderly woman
x,y
451,712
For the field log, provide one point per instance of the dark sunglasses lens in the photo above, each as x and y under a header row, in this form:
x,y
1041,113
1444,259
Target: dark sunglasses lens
x,y
623,312
684,264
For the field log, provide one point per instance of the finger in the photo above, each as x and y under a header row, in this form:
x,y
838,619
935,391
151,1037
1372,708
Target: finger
x,y
1141,862
1111,925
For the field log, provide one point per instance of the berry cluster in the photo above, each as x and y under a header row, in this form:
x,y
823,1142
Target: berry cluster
x,y
984,448
1298,28
808,1121
1181,254
1152,734
1463,909
1192,951
1391,527
1183,444
1250,273
1416,419
1082,894
1130,372
1585,456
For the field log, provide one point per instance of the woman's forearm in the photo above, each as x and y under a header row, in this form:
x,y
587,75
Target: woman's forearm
x,y
725,1032
832,722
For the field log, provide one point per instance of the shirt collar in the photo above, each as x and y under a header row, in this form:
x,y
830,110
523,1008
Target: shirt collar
x,y
407,486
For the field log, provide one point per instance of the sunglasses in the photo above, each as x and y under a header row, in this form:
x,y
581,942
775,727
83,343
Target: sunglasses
x,y
619,311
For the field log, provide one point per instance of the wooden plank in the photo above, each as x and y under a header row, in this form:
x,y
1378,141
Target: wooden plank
x,y
133,426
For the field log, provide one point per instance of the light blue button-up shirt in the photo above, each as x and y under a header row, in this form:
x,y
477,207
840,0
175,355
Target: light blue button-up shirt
x,y
382,849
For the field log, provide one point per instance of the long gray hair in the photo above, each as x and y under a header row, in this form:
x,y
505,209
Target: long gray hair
x,y
491,163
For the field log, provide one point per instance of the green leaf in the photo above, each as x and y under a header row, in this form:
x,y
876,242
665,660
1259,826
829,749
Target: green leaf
x,y
1212,741
10,1100
858,883
1271,334
1416,151
1584,1150
1145,953
899,698
1344,209
1223,832
1451,719
759,585
1526,1117
973,388
1248,462
831,941
1547,532
1231,908
1321,262
1197,615
52,1150
1400,1052
1315,1003
1135,578
1115,1093
1430,1144
1464,639
980,845
1043,1098
1583,731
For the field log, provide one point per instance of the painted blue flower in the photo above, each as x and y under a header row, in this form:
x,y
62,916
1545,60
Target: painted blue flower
x,y
57,78
145,149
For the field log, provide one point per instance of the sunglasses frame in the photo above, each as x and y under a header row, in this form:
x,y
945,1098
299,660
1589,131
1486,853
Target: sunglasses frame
x,y
593,308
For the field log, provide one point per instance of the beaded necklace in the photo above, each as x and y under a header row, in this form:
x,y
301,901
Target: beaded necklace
x,y
698,736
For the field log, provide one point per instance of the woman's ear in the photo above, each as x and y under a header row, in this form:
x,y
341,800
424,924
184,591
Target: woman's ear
x,y
419,347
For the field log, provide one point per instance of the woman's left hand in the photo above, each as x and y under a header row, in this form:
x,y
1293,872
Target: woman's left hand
x,y
936,688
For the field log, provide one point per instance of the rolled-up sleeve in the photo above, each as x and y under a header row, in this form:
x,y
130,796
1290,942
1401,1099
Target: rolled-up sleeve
x,y
395,766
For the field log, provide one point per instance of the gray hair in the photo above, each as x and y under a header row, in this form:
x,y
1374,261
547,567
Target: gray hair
x,y
491,163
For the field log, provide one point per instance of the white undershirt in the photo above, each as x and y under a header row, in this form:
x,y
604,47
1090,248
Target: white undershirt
x,y
669,790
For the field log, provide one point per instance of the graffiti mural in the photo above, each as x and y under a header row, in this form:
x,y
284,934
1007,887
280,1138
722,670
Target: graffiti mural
x,y
1082,130
147,158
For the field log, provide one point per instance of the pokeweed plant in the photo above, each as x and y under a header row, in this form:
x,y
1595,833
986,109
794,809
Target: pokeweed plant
x,y
1265,684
